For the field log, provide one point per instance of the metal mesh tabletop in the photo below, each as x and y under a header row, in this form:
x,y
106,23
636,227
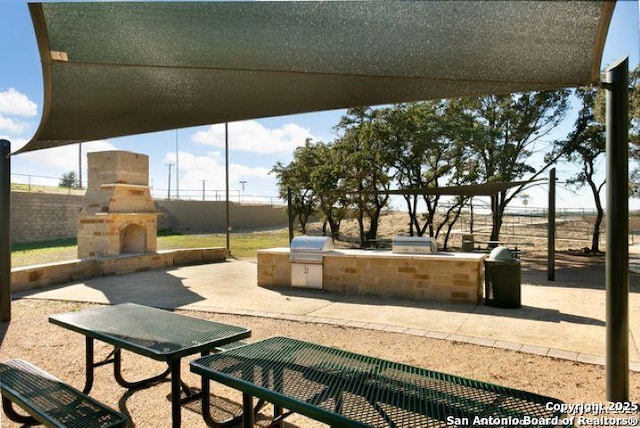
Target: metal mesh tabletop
x,y
347,389
155,333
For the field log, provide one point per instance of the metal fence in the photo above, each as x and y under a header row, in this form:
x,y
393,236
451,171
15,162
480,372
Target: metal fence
x,y
33,183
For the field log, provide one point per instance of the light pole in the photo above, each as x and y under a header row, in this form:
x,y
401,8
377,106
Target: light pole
x,y
80,166
203,181
177,170
242,183
169,181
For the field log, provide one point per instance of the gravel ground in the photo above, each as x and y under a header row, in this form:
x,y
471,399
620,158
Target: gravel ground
x,y
30,336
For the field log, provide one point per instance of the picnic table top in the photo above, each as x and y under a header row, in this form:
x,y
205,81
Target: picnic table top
x,y
155,333
347,389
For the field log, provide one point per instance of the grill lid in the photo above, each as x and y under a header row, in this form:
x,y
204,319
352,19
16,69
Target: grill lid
x,y
309,249
311,244
414,245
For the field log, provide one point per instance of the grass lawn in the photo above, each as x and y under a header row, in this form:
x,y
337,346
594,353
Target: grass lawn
x,y
242,245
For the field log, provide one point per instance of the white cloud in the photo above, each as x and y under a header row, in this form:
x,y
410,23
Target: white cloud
x,y
194,169
64,158
13,127
250,136
16,103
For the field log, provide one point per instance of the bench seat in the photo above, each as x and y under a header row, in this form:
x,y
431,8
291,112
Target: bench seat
x,y
50,401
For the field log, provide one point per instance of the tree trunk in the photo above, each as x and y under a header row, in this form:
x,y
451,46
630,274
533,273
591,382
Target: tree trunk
x,y
496,217
412,213
595,238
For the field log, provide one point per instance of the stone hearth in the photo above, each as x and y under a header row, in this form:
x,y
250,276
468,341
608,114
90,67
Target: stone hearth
x,y
118,215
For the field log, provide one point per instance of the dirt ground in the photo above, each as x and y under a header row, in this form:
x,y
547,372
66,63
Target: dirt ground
x,y
61,352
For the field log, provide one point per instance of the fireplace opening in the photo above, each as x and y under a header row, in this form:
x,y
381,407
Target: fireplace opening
x,y
133,239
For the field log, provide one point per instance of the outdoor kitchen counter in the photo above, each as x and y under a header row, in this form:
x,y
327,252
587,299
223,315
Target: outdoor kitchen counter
x,y
450,277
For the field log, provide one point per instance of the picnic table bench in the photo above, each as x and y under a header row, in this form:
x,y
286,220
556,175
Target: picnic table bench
x,y
345,389
50,401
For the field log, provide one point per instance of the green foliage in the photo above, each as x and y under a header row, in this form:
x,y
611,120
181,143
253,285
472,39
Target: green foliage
x,y
599,111
419,146
69,180
504,134
368,162
294,178
584,146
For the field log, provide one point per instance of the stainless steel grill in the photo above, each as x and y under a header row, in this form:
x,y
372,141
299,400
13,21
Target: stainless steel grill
x,y
309,249
305,255
414,245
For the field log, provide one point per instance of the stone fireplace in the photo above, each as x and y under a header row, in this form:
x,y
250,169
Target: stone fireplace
x,y
118,215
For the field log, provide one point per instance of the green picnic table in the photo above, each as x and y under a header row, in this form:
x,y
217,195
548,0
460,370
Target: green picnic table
x,y
344,389
154,333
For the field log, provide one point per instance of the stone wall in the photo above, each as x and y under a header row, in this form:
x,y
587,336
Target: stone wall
x,y
29,277
209,216
45,216
446,277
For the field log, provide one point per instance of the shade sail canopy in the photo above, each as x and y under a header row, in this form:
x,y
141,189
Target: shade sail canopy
x,y
486,189
116,68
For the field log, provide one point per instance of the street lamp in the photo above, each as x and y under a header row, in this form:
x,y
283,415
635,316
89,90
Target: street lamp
x,y
243,183
169,181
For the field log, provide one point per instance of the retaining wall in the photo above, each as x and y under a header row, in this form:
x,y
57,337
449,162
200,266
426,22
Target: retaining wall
x,y
26,278
46,216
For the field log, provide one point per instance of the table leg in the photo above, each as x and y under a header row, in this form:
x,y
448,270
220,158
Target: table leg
x,y
117,373
247,410
206,409
7,406
88,383
176,389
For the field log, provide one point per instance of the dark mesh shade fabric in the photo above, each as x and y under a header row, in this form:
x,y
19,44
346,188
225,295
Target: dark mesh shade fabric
x,y
118,68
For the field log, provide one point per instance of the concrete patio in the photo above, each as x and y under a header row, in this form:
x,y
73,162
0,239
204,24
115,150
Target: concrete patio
x,y
562,319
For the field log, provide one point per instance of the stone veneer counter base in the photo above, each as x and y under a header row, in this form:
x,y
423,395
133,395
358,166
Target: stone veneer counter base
x,y
449,277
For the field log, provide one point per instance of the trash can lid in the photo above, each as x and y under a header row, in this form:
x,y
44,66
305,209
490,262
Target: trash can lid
x,y
501,254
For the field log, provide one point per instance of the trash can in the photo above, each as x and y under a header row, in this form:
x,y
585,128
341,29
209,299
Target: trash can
x,y
467,242
502,279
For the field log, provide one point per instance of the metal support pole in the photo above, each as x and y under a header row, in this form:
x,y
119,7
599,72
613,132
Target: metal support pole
x,y
551,236
226,172
290,214
617,269
5,230
80,185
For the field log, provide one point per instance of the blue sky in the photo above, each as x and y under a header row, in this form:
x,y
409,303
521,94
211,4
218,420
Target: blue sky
x,y
255,145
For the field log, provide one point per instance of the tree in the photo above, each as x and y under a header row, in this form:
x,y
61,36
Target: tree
x,y
506,130
634,126
294,177
426,140
585,145
368,163
69,180
327,179
414,134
